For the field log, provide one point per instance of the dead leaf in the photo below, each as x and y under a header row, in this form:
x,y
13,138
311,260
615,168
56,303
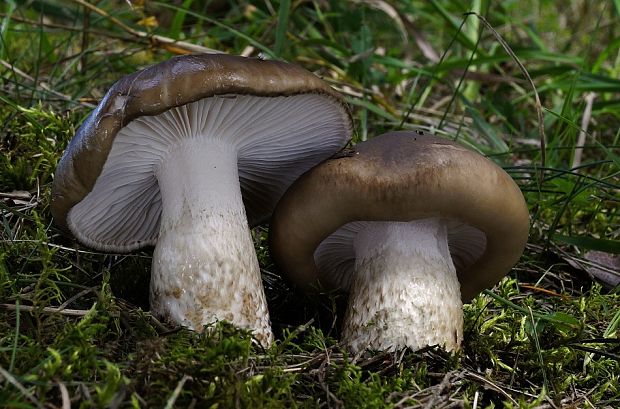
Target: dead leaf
x,y
604,267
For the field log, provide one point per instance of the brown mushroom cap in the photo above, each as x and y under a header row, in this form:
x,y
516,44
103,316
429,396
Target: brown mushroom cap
x,y
402,176
174,83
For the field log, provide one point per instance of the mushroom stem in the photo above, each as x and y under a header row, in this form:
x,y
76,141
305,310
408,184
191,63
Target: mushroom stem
x,y
405,291
204,265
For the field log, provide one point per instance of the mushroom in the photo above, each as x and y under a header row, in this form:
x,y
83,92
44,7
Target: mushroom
x,y
177,155
411,225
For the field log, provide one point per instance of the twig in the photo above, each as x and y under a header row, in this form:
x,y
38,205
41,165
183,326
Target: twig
x,y
17,195
64,305
543,290
439,390
168,43
49,310
496,388
583,132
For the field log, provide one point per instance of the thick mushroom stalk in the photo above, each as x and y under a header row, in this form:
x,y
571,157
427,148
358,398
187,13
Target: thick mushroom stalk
x,y
454,209
204,265
184,155
405,290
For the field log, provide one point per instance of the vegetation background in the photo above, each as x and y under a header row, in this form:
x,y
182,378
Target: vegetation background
x,y
532,84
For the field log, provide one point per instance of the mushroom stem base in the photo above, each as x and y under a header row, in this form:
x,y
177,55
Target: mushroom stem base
x,y
405,292
204,265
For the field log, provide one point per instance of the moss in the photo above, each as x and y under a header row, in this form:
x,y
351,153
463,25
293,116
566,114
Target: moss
x,y
545,333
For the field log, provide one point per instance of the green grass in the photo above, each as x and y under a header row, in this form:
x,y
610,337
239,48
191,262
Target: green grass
x,y
547,336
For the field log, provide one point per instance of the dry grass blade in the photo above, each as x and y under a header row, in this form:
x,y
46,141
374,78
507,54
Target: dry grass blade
x,y
391,11
47,310
170,44
538,105
177,391
585,121
64,394
43,86
13,381
489,384
545,335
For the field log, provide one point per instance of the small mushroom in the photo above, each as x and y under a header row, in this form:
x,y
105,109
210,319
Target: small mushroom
x,y
410,224
177,155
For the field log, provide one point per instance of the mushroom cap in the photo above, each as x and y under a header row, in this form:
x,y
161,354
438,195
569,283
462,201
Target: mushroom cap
x,y
404,176
179,83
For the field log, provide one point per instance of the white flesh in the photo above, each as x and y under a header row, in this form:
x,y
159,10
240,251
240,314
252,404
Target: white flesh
x,y
405,292
204,265
195,213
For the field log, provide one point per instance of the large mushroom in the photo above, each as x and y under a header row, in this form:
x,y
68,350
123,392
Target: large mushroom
x,y
177,155
410,224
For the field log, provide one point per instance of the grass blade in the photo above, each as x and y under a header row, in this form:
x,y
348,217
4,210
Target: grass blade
x,y
283,14
589,243
179,18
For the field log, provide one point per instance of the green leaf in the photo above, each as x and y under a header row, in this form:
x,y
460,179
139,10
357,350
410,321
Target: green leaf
x,y
283,14
455,24
179,18
615,158
589,243
559,317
